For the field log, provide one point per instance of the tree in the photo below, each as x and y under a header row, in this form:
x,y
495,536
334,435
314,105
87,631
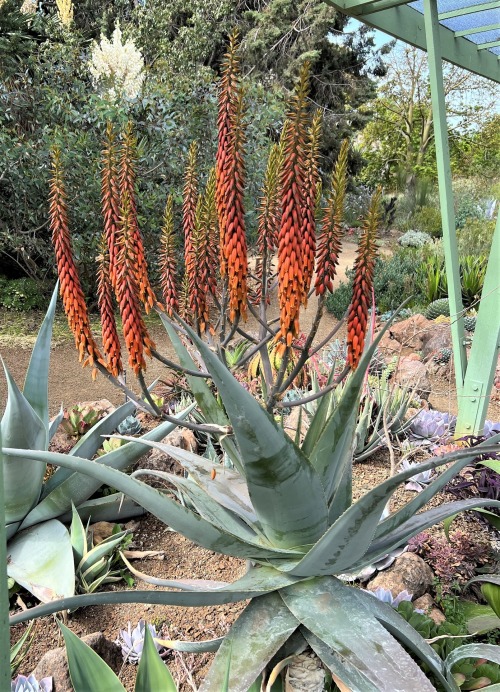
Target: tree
x,y
401,136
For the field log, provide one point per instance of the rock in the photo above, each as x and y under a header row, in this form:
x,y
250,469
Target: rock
x,y
54,663
439,338
102,530
413,374
159,461
430,609
292,422
104,406
408,333
409,573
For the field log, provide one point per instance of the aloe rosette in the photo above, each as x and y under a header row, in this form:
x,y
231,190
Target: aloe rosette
x,y
288,510
39,550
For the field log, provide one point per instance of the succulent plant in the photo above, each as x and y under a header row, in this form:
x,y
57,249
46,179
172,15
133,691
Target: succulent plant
x,y
385,595
79,419
420,480
288,510
443,356
39,545
470,323
131,641
31,684
130,426
429,426
402,314
438,307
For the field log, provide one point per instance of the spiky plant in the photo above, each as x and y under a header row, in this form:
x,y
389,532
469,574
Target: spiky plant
x,y
329,242
289,511
197,280
127,190
290,240
233,237
168,260
109,331
229,89
310,194
135,332
70,287
211,235
364,266
269,221
190,196
110,200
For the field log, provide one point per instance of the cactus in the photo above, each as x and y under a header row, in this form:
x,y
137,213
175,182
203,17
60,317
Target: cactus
x,y
470,323
443,356
438,307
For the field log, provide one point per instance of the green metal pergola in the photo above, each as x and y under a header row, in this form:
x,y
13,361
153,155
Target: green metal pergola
x,y
465,33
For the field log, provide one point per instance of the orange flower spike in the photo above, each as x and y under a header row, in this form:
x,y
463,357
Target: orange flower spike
x,y
127,187
269,218
290,241
211,231
364,266
309,208
168,260
234,247
198,291
329,242
229,88
70,288
135,331
110,198
110,338
189,205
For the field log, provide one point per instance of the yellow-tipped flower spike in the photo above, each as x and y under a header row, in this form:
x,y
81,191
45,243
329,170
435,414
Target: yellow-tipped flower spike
x,y
189,206
309,207
168,260
329,242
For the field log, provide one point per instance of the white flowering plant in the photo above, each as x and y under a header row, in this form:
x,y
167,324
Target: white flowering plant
x,y
117,67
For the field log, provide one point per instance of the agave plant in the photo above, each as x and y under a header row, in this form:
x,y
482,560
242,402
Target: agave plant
x,y
288,510
40,556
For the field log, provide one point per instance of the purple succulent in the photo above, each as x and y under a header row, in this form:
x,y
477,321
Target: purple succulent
x,y
386,596
419,480
431,426
490,429
31,684
132,641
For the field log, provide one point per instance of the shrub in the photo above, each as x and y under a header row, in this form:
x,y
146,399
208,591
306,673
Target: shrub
x,y
475,236
428,220
414,239
21,294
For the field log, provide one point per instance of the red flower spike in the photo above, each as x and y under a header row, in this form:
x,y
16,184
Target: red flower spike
x,y
127,188
110,338
135,331
290,241
364,266
70,288
110,199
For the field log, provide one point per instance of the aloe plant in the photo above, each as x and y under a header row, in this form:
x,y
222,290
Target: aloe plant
x,y
40,556
288,510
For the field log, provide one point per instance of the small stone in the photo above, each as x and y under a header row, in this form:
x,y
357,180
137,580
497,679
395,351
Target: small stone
x,y
55,663
430,609
439,338
412,373
409,573
102,530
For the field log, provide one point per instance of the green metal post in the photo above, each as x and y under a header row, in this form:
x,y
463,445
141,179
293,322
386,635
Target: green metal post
x,y
473,405
445,191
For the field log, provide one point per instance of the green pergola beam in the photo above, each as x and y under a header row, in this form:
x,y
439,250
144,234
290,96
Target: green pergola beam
x,y
469,10
476,393
445,190
490,44
477,30
407,24
359,7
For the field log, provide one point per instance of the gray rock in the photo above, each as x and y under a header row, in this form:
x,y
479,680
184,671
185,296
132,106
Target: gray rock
x,y
430,609
435,340
409,573
413,374
55,663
